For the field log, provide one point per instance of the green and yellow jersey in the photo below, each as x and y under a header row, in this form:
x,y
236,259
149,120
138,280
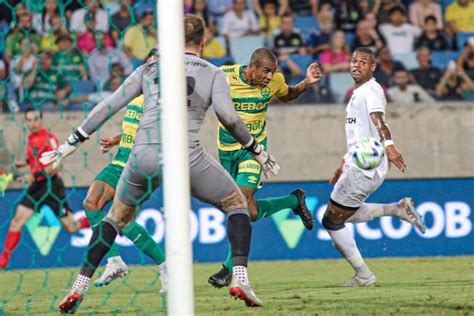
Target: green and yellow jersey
x,y
130,123
251,103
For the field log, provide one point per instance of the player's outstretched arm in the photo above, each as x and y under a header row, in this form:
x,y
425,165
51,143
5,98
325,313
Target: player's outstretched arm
x,y
130,89
313,75
392,152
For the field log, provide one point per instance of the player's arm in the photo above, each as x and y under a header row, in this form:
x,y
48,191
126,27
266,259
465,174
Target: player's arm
x,y
228,117
393,154
130,89
107,143
313,74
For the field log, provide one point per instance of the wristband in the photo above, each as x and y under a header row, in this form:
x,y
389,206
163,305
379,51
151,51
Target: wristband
x,y
252,146
78,136
387,143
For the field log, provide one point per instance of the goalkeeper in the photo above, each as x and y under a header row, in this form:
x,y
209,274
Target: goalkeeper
x,y
252,88
102,190
210,183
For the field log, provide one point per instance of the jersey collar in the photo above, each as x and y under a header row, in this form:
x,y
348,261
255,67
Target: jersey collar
x,y
241,75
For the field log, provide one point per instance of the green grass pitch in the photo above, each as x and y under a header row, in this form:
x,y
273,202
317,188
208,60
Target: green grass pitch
x,y
436,286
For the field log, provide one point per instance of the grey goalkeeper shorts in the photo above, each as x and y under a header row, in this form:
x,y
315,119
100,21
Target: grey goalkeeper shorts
x,y
210,182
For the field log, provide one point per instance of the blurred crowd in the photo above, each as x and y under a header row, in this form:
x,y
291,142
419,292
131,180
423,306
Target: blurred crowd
x,y
68,55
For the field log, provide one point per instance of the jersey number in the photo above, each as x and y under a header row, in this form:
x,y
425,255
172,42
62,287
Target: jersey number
x,y
190,84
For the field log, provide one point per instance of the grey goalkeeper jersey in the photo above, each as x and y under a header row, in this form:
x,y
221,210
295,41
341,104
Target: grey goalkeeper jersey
x,y
206,85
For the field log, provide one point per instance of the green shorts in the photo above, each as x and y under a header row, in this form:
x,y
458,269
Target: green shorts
x,y
243,168
110,175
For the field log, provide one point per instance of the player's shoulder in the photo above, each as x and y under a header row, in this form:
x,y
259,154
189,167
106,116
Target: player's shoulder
x,y
138,101
373,88
278,78
230,69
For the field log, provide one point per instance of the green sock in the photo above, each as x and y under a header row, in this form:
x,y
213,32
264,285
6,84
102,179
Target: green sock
x,y
94,218
228,264
270,206
142,239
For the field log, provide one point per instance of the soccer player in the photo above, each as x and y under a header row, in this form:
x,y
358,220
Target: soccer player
x,y
365,118
102,190
252,88
210,183
45,187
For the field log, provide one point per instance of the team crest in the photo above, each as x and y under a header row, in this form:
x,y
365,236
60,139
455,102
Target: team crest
x,y
266,92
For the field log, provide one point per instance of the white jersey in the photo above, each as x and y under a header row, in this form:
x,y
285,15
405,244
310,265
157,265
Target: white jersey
x,y
366,99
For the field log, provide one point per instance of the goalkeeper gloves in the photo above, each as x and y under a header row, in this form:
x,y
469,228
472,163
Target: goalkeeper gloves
x,y
67,148
265,159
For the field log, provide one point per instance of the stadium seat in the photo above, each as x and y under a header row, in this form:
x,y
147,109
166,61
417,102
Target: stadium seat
x,y
83,87
339,83
305,24
440,59
242,47
407,59
220,61
461,39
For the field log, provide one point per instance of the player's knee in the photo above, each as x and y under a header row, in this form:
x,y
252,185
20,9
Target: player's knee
x,y
234,201
331,224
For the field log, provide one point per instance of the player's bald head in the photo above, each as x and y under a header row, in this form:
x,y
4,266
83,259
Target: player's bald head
x,y
262,56
194,30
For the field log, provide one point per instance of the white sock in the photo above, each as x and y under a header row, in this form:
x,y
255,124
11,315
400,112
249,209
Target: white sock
x,y
346,245
116,260
240,272
162,267
82,283
370,211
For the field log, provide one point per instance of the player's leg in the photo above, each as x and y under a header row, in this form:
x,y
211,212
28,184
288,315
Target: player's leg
x,y
22,215
404,209
349,193
140,178
211,184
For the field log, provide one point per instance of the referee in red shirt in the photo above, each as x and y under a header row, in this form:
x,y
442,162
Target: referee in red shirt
x,y
45,187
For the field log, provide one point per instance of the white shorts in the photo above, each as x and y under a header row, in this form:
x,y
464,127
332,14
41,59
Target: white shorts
x,y
353,187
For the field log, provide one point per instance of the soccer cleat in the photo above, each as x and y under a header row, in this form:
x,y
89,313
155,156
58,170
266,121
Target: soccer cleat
x,y
410,214
221,278
302,211
359,281
71,302
113,271
245,293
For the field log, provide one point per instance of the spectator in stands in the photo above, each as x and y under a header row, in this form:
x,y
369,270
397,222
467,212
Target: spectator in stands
x,y
336,58
239,21
200,9
98,96
19,10
88,41
116,73
386,67
290,69
319,39
454,83
347,16
304,7
41,21
460,17
23,67
217,9
269,22
399,35
259,6
102,58
421,9
367,36
288,39
213,47
68,61
47,89
407,93
48,42
383,10
466,59
23,30
432,38
122,20
427,76
141,38
94,9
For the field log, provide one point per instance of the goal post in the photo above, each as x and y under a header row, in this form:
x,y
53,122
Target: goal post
x,y
176,188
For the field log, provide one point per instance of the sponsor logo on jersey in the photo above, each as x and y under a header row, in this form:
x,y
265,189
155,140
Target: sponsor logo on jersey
x,y
351,120
249,106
